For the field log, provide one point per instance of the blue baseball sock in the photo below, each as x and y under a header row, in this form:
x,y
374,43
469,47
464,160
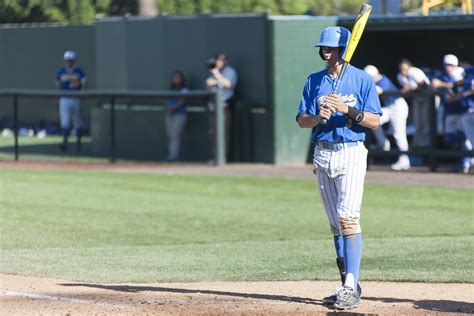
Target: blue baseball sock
x,y
339,244
352,256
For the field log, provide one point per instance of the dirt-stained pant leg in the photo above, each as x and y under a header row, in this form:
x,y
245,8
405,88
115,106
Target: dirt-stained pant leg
x,y
341,184
327,187
350,183
327,191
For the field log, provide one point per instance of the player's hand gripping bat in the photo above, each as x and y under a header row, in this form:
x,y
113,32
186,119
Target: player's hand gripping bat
x,y
357,31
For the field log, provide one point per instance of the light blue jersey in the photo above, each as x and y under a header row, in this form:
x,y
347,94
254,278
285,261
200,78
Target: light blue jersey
x,y
70,78
357,89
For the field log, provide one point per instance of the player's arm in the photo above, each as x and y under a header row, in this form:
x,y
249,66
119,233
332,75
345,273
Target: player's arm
x,y
310,121
222,81
367,119
440,84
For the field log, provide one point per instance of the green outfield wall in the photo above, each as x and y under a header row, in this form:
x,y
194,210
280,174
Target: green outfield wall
x,y
30,58
294,57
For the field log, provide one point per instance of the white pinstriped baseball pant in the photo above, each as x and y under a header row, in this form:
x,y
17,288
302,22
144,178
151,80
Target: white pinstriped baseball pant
x,y
340,175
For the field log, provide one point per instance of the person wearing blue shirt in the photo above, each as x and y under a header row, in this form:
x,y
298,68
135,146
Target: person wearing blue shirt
x,y
468,117
395,111
70,78
224,77
176,116
451,83
340,157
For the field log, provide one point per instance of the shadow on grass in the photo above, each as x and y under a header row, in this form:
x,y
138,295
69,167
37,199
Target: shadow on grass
x,y
136,289
440,306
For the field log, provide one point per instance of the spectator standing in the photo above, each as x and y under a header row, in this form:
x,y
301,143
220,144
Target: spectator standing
x,y
451,81
176,116
70,78
221,76
468,117
395,111
413,79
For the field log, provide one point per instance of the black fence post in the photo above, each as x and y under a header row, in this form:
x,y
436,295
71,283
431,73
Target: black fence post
x,y
15,125
112,129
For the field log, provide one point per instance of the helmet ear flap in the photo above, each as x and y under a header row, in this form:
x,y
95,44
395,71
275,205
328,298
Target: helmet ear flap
x,y
321,53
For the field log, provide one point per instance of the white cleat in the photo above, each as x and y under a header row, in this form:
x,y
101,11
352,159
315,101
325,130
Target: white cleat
x,y
402,164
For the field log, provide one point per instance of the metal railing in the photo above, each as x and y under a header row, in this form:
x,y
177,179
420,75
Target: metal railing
x,y
112,96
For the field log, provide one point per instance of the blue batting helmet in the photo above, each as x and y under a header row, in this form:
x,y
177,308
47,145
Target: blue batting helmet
x,y
334,36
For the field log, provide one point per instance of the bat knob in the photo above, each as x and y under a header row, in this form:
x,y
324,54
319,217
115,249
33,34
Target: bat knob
x,y
324,122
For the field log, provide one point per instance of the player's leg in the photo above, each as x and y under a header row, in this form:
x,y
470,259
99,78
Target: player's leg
x,y
379,133
176,128
329,196
75,109
350,184
64,118
328,193
398,120
468,127
466,144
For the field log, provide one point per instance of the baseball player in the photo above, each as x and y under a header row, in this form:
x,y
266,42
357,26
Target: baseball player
x,y
70,77
395,111
413,79
340,157
468,117
452,83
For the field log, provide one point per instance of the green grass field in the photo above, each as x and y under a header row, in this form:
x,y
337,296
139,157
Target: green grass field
x,y
130,227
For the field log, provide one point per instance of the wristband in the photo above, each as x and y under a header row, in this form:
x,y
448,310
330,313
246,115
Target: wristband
x,y
355,114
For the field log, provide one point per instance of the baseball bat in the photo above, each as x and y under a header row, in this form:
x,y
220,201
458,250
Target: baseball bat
x,y
356,34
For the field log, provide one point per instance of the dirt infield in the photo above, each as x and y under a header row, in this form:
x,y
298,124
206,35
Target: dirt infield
x,y
21,295
28,295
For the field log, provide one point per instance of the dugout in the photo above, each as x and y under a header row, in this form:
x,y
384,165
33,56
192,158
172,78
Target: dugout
x,y
387,39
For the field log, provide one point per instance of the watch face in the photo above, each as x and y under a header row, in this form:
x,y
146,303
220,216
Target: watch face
x,y
359,117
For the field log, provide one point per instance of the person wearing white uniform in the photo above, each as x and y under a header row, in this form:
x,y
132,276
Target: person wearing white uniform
x,y
395,111
413,79
340,157
70,78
